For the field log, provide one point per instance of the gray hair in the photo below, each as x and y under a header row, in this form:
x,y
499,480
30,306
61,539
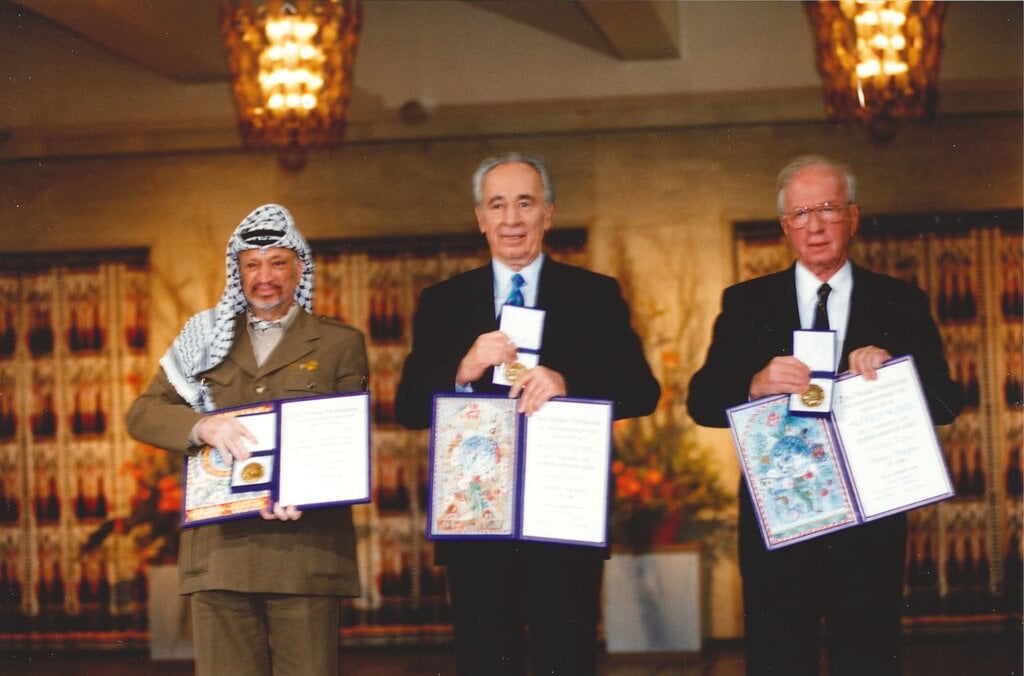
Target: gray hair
x,y
798,164
510,158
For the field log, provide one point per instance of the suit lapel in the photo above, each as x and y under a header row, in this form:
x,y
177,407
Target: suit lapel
x,y
474,314
789,311
548,286
779,312
480,300
858,326
241,351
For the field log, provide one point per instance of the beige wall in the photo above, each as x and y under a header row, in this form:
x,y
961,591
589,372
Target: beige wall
x,y
681,186
658,205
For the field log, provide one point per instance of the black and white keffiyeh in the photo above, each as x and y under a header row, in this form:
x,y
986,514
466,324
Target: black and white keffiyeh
x,y
207,336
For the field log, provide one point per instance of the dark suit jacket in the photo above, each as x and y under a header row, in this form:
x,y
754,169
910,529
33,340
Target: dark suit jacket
x,y
863,563
757,322
587,338
313,555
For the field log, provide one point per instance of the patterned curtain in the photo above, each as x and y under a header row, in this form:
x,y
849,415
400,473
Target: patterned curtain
x,y
964,556
73,339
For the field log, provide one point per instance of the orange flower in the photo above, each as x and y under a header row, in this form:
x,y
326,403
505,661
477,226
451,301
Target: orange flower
x,y
627,486
167,483
170,501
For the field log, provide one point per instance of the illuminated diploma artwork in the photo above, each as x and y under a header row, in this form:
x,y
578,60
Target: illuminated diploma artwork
x,y
310,452
496,474
876,454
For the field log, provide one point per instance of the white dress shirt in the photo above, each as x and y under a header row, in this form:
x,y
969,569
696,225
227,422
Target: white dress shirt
x,y
503,282
838,300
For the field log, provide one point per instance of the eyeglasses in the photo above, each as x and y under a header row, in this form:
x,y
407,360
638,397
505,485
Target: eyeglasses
x,y
827,212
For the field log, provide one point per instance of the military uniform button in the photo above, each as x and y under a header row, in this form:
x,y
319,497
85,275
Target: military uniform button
x,y
260,389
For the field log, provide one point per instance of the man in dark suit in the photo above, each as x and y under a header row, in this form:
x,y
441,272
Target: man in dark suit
x,y
264,592
588,349
853,578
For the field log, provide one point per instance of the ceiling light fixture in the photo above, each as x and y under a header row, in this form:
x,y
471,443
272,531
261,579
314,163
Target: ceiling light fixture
x,y
291,71
878,59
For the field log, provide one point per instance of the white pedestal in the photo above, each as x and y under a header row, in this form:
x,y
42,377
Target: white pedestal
x,y
652,602
170,621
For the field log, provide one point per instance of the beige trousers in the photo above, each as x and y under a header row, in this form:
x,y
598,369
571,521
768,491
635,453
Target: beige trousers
x,y
236,634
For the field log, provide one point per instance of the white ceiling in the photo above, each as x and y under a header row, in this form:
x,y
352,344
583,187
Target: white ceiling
x,y
77,71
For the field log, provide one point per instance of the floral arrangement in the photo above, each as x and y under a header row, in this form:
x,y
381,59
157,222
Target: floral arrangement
x,y
666,487
155,507
667,484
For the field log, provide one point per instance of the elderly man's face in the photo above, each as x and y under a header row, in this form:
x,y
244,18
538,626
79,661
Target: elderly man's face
x,y
821,243
513,215
269,280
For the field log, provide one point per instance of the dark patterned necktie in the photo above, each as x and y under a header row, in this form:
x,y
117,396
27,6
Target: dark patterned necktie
x,y
515,296
821,311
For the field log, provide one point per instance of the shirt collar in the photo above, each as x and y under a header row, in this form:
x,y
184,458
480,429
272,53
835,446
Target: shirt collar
x,y
263,324
503,279
807,282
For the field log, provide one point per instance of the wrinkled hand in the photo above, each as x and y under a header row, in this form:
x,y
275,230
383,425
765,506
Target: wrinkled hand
x,y
782,375
489,349
281,513
227,435
866,360
535,386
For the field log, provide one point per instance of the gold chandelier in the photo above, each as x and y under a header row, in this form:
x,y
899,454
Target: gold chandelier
x,y
878,59
291,70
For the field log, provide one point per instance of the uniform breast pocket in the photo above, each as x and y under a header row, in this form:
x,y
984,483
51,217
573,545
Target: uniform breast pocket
x,y
306,381
223,381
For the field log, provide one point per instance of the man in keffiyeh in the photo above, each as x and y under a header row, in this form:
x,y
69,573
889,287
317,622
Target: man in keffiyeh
x,y
264,591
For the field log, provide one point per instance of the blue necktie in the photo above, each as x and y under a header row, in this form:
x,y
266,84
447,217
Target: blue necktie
x,y
515,296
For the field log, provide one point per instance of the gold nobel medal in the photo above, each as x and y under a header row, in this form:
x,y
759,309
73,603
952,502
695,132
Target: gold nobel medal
x,y
814,396
252,472
514,370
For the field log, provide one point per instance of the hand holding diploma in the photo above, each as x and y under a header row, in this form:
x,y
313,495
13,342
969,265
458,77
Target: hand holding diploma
x,y
542,478
782,375
875,454
228,435
231,438
281,513
298,454
865,361
535,387
489,349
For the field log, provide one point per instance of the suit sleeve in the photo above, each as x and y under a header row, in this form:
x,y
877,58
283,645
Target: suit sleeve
x,y
160,417
607,361
431,364
918,336
724,379
352,372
